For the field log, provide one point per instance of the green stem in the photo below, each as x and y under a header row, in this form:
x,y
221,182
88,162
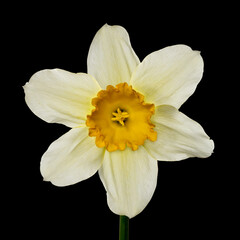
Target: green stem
x,y
123,228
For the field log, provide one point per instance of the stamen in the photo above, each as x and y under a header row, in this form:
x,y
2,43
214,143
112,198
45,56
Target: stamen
x,y
120,116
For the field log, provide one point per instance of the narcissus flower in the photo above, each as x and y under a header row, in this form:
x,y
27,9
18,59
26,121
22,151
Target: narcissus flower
x,y
123,117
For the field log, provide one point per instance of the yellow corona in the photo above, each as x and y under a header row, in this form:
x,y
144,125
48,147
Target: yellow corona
x,y
121,118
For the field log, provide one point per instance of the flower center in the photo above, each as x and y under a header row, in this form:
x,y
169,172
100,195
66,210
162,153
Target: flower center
x,y
121,118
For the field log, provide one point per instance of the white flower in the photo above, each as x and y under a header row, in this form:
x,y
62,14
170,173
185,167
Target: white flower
x,y
123,117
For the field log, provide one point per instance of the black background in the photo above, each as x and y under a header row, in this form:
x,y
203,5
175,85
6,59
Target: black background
x,y
189,198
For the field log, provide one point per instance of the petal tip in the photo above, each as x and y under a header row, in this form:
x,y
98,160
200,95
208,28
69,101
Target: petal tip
x,y
45,180
212,146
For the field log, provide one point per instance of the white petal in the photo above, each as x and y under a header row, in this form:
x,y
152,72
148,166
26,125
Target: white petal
x,y
169,76
179,137
130,179
111,59
58,96
71,158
